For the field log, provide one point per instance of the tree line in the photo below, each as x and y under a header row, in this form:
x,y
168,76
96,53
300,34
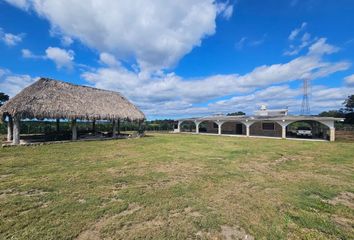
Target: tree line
x,y
30,127
346,112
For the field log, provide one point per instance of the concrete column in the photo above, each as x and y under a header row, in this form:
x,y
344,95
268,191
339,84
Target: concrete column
x,y
220,127
114,129
16,131
197,127
74,129
10,126
332,134
247,130
179,126
283,123
248,124
283,132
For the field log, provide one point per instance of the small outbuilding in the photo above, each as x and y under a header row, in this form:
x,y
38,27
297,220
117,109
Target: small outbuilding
x,y
52,99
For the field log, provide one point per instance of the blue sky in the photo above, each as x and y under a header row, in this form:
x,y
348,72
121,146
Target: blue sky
x,y
185,58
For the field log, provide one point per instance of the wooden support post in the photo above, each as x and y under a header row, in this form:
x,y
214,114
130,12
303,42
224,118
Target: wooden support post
x,y
74,129
118,126
10,126
94,126
139,128
57,125
114,129
16,131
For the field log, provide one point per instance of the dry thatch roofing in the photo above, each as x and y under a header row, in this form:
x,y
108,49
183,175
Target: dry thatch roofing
x,y
48,98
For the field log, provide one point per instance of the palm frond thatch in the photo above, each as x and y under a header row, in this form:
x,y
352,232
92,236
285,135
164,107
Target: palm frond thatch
x,y
48,98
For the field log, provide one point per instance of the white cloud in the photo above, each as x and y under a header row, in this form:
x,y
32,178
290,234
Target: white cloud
x,y
11,83
168,92
321,98
296,31
66,41
278,96
3,72
11,39
61,57
349,80
304,42
109,60
23,4
258,42
317,45
26,53
225,9
321,48
162,31
244,41
240,43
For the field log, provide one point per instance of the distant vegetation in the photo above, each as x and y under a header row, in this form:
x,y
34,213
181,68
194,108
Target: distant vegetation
x,y
239,113
47,127
346,112
3,98
30,127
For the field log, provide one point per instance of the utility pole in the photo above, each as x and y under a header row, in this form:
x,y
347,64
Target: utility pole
x,y
305,105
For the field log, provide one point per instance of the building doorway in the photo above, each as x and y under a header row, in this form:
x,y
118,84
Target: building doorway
x,y
239,128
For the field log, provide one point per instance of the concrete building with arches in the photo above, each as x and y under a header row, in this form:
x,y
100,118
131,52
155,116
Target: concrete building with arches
x,y
264,123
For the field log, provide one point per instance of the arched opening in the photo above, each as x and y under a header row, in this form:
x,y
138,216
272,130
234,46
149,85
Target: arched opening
x,y
208,127
309,129
265,129
187,126
233,128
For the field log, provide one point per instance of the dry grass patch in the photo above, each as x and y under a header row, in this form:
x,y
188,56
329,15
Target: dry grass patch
x,y
344,198
178,187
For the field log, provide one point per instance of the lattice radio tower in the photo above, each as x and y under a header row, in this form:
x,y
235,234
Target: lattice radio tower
x,y
305,105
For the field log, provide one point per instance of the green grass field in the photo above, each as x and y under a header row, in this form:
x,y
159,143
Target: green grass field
x,y
167,186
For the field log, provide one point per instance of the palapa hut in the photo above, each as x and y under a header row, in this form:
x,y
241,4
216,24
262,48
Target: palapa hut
x,y
52,99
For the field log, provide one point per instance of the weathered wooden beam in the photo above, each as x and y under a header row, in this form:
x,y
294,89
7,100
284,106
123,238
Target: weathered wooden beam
x,y
114,128
94,126
74,129
10,126
16,131
118,126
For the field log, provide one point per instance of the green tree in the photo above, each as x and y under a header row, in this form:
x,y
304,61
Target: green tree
x,y
332,113
349,104
239,113
3,98
349,109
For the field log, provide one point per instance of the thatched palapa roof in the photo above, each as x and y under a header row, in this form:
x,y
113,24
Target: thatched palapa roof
x,y
48,98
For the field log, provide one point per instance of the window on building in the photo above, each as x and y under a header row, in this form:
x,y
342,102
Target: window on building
x,y
215,125
268,126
